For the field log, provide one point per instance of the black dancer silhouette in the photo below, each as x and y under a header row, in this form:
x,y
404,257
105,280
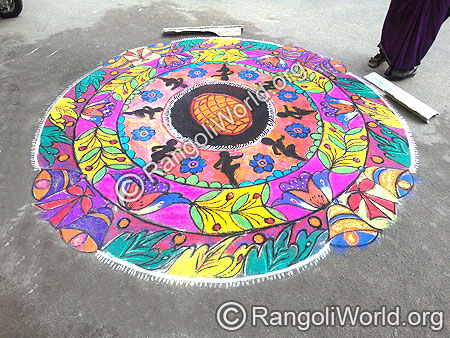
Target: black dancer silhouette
x,y
160,152
224,165
269,85
279,148
297,113
144,111
224,73
174,82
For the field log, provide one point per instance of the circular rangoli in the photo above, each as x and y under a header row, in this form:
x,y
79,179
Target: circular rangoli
x,y
220,160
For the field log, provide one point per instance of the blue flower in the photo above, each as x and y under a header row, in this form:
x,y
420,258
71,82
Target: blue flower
x,y
261,163
151,95
197,72
143,134
297,130
248,75
287,95
194,165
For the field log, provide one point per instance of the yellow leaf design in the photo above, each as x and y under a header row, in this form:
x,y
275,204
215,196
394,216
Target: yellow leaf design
x,y
97,150
380,113
343,151
311,81
218,55
222,42
235,210
64,107
123,85
214,262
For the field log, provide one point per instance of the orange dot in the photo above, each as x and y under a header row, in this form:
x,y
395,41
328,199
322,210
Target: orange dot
x,y
377,159
315,222
123,223
111,61
405,185
63,158
178,239
81,100
69,124
259,238
114,72
372,124
275,53
355,97
351,238
332,78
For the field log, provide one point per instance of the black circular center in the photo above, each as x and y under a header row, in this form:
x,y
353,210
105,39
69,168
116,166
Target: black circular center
x,y
219,115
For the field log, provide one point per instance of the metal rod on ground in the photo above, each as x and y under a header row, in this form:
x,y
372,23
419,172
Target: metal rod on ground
x,y
408,101
227,30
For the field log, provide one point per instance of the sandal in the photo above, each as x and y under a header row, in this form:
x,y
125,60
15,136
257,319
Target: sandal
x,y
377,60
397,75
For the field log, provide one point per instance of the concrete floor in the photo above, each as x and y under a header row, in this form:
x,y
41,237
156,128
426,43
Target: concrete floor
x,y
48,290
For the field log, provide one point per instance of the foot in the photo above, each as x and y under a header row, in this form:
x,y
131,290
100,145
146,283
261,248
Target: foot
x,y
397,75
377,60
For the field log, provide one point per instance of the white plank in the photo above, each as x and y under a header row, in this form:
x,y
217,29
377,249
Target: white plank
x,y
227,30
410,102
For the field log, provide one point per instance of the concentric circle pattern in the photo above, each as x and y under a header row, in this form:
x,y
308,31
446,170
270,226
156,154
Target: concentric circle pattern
x,y
220,160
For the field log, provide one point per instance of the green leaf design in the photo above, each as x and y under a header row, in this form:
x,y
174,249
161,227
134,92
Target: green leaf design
x,y
324,159
196,217
338,127
354,131
337,142
275,213
112,150
345,170
140,249
99,175
209,196
192,180
120,166
342,148
90,154
240,202
265,194
108,131
242,221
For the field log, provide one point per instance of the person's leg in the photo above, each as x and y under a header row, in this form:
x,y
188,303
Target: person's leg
x,y
409,30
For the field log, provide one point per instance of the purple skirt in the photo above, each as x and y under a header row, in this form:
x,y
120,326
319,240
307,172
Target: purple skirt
x,y
409,30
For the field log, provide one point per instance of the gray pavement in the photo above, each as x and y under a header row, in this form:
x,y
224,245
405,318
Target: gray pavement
x,y
48,290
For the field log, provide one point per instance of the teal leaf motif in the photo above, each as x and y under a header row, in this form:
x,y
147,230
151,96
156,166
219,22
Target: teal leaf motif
x,y
394,146
49,136
257,45
186,45
356,86
279,254
140,249
94,79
